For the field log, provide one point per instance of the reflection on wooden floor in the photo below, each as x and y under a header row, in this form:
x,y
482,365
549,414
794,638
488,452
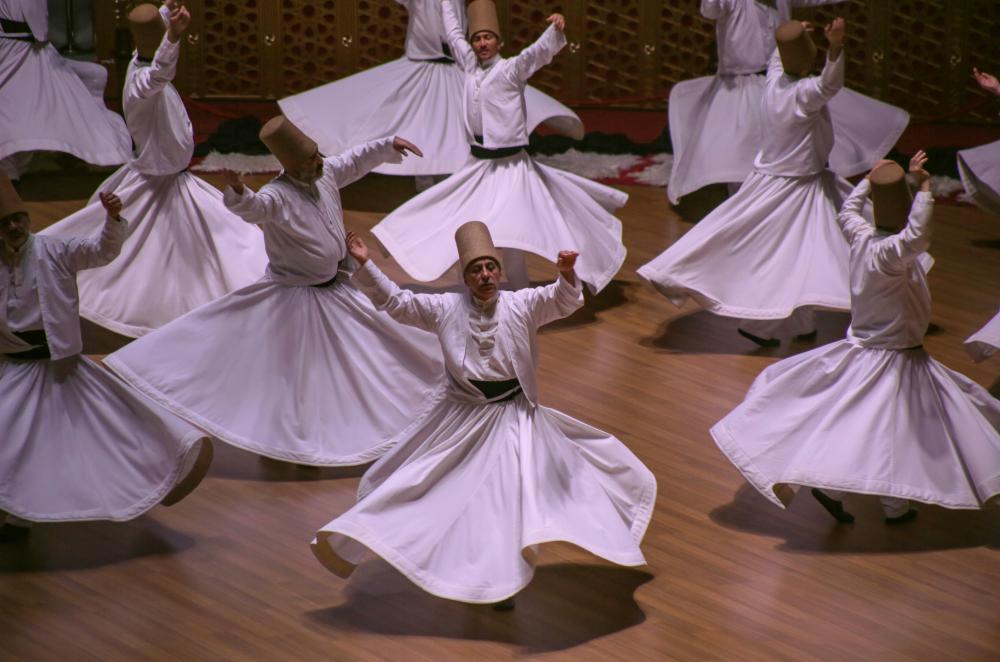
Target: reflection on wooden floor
x,y
227,573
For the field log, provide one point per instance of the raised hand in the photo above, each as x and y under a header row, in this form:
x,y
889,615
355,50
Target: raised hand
x,y
112,204
986,81
180,19
404,146
566,260
835,33
357,248
558,20
917,169
233,179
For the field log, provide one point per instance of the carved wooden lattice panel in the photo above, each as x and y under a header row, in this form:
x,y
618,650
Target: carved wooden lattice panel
x,y
613,50
686,45
381,32
231,52
918,26
309,41
982,50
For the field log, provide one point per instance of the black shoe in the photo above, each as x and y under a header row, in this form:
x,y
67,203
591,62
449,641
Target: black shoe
x,y
806,337
834,507
504,605
908,516
763,342
13,533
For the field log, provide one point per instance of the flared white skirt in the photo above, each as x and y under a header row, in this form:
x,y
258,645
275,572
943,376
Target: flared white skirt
x,y
874,421
772,247
417,100
979,168
46,106
985,342
462,503
527,206
80,445
184,249
309,375
716,132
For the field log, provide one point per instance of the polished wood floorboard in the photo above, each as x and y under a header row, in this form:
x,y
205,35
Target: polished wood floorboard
x,y
227,573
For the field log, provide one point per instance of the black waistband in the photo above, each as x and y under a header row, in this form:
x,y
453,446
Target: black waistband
x,y
481,152
327,283
14,28
496,389
32,337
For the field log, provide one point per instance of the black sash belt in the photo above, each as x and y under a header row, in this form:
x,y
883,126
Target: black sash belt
x,y
33,337
496,389
327,283
12,28
481,152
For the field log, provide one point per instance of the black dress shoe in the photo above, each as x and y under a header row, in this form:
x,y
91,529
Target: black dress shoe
x,y
763,342
13,533
504,605
834,507
908,516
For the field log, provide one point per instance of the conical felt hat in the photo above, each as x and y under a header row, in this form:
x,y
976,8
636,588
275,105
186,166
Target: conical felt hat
x,y
483,16
796,47
287,142
474,241
147,29
10,201
890,196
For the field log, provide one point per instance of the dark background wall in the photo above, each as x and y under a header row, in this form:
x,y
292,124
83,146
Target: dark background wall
x,y
917,54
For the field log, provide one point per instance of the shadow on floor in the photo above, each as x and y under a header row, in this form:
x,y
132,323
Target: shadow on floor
x,y
806,528
564,606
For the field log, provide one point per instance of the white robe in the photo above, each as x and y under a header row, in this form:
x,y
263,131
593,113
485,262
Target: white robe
x,y
415,97
462,503
979,168
716,126
184,248
527,205
77,443
46,106
313,375
985,342
774,246
874,413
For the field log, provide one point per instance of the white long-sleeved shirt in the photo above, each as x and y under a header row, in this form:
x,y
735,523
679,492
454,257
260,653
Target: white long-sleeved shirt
x,y
744,30
500,91
53,263
24,311
425,34
303,224
33,12
155,114
890,300
797,129
518,315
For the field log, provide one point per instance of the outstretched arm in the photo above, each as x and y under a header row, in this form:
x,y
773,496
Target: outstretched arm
x,y
420,310
87,253
256,208
150,80
540,53
814,92
459,45
352,165
557,300
715,9
893,253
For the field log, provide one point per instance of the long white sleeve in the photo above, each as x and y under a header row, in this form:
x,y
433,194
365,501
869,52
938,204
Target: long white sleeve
x,y
352,165
255,208
852,223
553,301
87,253
151,80
812,93
538,54
459,45
422,311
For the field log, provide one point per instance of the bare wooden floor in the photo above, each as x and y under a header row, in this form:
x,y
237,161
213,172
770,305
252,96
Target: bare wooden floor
x,y
227,573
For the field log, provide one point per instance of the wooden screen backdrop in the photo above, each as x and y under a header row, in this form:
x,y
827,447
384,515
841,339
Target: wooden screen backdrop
x,y
916,54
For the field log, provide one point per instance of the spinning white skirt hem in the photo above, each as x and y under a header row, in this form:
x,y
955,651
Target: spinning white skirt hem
x,y
81,445
414,99
985,342
979,169
527,206
309,375
462,504
873,421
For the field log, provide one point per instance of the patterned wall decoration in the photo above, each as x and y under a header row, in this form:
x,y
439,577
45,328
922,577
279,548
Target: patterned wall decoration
x,y
914,53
